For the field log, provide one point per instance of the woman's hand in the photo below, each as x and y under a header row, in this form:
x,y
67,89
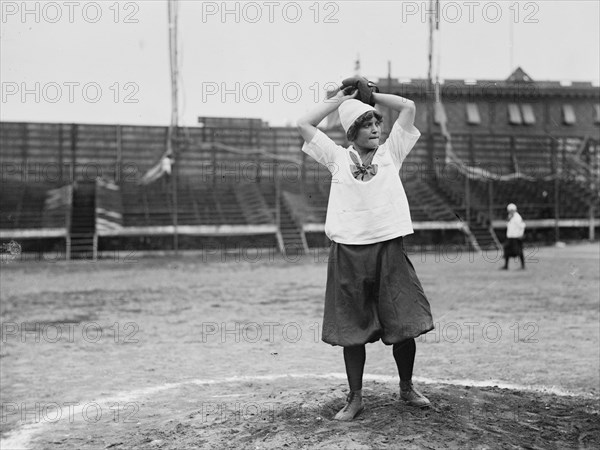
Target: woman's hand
x,y
307,124
343,94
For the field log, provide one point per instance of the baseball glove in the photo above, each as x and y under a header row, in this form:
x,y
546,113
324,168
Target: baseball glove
x,y
365,88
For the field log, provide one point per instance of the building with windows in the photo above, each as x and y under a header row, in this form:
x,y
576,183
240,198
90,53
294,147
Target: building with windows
x,y
518,105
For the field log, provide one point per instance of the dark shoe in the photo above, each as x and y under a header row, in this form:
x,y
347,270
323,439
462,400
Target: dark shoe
x,y
413,397
354,406
504,268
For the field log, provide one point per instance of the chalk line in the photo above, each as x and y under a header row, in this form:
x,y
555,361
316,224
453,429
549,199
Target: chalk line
x,y
21,438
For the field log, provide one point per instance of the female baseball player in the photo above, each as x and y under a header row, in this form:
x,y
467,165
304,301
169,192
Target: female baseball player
x,y
372,289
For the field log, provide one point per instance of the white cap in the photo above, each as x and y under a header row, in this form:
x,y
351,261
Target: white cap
x,y
351,110
511,207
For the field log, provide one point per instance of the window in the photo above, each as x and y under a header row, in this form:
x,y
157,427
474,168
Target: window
x,y
514,114
568,115
597,118
473,116
528,115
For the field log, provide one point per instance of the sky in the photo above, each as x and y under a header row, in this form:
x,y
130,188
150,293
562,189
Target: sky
x,y
108,61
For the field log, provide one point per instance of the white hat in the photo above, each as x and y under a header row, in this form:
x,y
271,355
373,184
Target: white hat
x,y
351,110
511,207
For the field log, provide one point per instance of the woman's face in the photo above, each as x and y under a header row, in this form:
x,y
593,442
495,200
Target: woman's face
x,y
368,134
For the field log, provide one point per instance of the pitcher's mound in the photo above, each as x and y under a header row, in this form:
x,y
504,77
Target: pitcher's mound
x,y
293,413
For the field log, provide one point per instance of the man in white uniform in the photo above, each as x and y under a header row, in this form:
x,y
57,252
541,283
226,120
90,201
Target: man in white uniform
x,y
515,229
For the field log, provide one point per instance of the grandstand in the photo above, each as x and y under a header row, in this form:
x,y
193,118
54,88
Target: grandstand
x,y
78,188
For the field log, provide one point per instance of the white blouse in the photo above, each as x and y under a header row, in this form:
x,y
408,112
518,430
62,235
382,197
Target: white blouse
x,y
365,212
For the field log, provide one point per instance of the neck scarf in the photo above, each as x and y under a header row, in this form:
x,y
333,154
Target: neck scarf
x,y
363,171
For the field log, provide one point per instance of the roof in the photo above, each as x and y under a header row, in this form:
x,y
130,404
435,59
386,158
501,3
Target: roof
x,y
518,80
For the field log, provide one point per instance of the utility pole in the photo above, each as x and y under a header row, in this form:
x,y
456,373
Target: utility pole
x,y
428,96
172,140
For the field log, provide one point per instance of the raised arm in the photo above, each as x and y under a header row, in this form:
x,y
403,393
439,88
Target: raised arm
x,y
307,124
404,106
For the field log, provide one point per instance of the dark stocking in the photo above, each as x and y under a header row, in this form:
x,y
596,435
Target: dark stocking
x,y
404,354
355,357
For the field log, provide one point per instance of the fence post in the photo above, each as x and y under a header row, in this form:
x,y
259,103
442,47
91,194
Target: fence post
x,y
174,137
24,156
471,150
467,199
591,234
60,152
278,208
214,165
556,192
119,161
277,195
431,150
593,183
491,202
73,152
513,154
303,169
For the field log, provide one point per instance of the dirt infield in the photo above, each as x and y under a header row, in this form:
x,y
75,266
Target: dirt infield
x,y
188,352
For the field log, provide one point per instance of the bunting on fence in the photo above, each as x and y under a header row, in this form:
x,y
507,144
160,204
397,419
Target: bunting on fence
x,y
57,207
109,206
162,167
107,184
59,197
108,220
